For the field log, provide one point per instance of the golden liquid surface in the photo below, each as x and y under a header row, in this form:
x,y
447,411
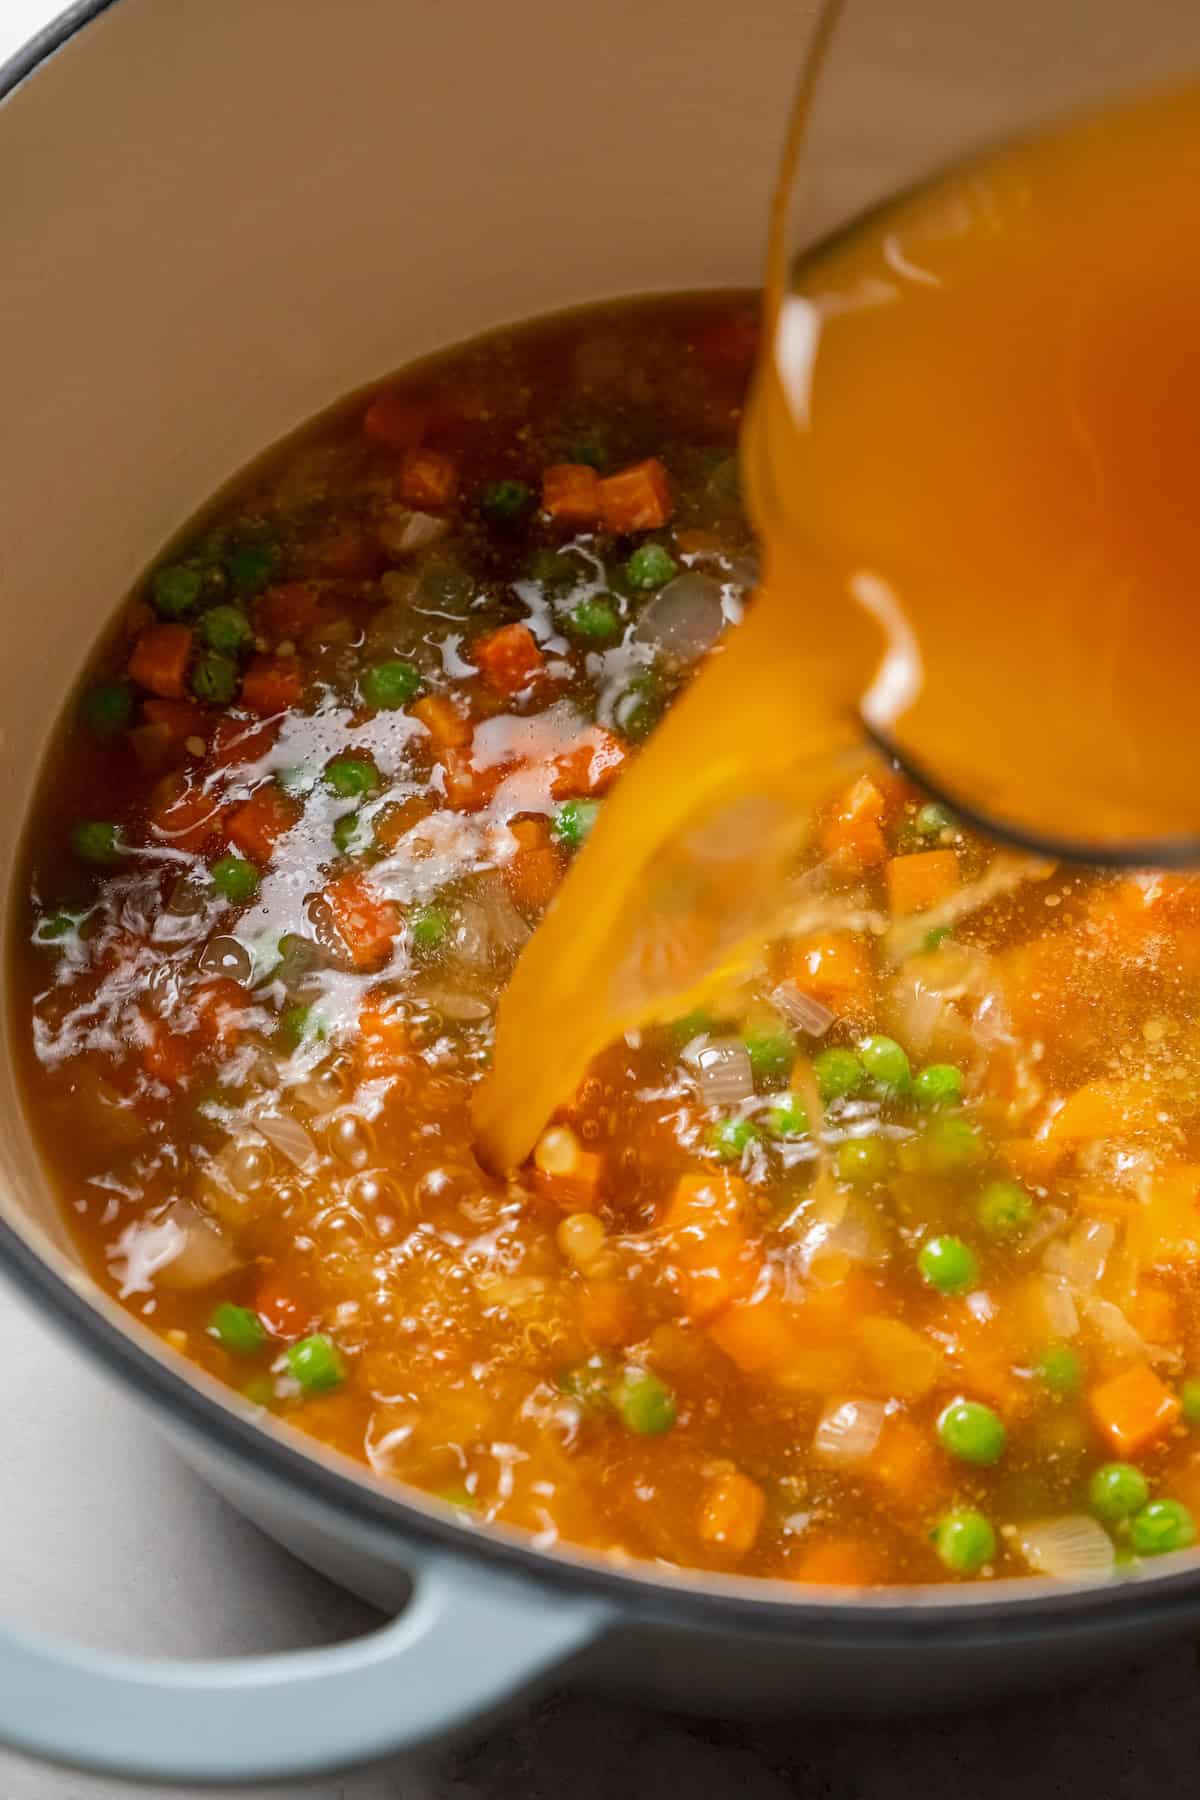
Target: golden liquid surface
x,y
974,462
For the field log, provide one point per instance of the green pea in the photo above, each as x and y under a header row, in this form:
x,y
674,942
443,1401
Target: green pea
x,y
573,822
1060,1371
251,565
350,777
596,619
971,1432
886,1065
589,452
589,1383
644,1404
316,1362
838,1073
351,834
215,679
52,928
947,1264
1161,1526
639,707
1189,1400
964,1540
108,708
692,1025
176,590
951,1143
459,1496
863,1161
933,819
789,1118
936,936
226,629
1117,1490
260,1391
387,685
650,566
731,1138
239,1329
96,841
553,568
772,1051
298,1023
235,879
503,502
428,928
1004,1209
939,1085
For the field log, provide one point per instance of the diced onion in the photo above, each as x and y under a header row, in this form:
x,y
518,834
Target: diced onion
x,y
180,1250
723,1072
1074,1548
1058,1302
464,1009
402,532
286,1135
1080,1259
186,898
684,619
848,1431
226,956
801,1011
1110,1323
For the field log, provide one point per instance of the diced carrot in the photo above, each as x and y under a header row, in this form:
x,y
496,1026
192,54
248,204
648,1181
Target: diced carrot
x,y
589,767
904,1462
286,1308
395,421
255,827
384,1038
571,492
187,817
710,1245
442,720
350,554
183,719
1102,1203
366,923
220,1006
1032,1159
533,875
731,1512
1154,1314
1164,1226
167,1055
606,1313
1133,1409
509,657
160,660
758,1336
287,611
915,883
852,832
637,498
272,684
904,1362
466,786
427,478
398,819
1104,1108
835,968
835,1562
566,1173
239,741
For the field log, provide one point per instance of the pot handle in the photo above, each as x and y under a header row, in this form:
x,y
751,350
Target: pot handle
x,y
469,1640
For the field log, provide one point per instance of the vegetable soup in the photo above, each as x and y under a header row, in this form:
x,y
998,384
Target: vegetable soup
x,y
879,1262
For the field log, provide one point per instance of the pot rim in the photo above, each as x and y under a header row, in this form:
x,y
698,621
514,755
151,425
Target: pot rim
x,y
871,1617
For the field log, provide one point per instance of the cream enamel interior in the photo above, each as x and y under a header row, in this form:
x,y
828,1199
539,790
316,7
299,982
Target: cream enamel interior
x,y
218,219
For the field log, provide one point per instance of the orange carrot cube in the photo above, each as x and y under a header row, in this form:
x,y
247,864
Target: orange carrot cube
x,y
255,827
731,1512
590,767
915,883
570,492
509,657
287,611
272,684
442,720
1133,1409
160,659
366,923
637,498
394,421
427,478
835,968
